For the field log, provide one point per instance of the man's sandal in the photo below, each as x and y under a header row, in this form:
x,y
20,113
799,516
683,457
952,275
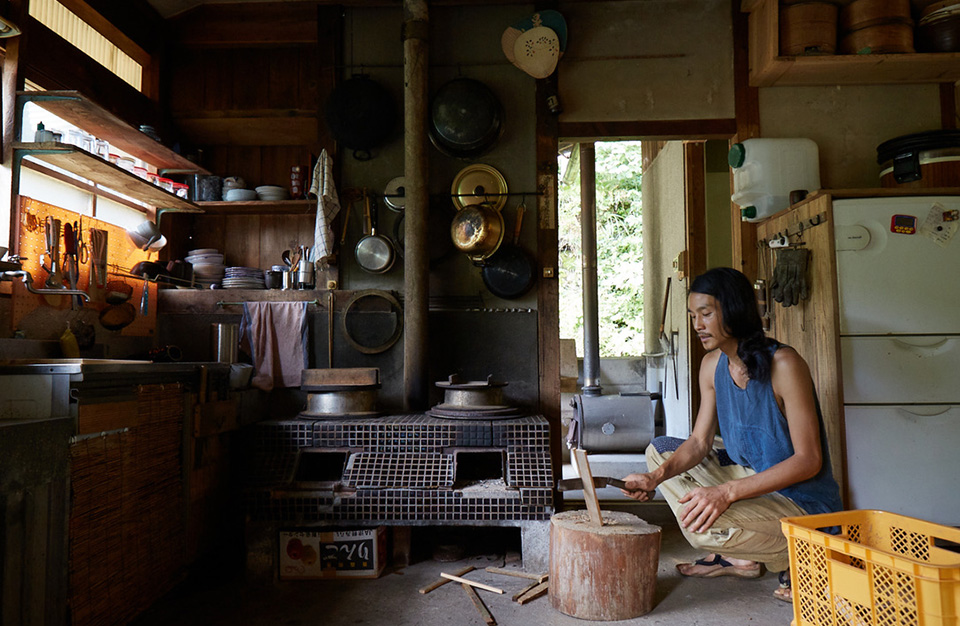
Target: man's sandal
x,y
785,591
721,567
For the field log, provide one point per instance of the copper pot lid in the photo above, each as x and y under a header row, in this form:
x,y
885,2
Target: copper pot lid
x,y
479,183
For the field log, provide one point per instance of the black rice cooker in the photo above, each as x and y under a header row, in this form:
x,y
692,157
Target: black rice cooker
x,y
926,159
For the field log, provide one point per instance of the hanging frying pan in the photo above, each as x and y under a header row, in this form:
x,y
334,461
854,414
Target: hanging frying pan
x,y
509,272
360,114
466,118
374,252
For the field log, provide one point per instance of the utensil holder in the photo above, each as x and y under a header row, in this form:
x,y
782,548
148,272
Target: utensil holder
x,y
305,276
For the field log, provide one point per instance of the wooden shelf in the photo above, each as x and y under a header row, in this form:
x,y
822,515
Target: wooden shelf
x,y
259,206
225,301
74,107
89,166
768,68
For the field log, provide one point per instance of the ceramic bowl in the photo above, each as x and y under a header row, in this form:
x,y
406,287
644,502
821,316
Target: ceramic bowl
x,y
209,270
240,195
204,259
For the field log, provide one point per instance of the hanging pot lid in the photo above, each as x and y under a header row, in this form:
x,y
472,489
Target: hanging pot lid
x,y
553,20
394,194
479,183
466,118
360,114
536,51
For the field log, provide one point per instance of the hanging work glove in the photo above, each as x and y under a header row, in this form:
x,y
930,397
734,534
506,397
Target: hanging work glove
x,y
790,276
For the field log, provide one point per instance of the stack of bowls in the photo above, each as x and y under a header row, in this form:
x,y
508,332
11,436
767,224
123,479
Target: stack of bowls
x,y
239,195
272,193
234,190
208,267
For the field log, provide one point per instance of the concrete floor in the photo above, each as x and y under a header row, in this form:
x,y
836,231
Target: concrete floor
x,y
393,599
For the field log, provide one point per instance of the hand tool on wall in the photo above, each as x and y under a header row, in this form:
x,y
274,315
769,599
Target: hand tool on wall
x,y
70,260
54,275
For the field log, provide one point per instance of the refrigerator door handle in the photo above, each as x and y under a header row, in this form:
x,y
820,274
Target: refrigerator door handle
x,y
933,349
929,410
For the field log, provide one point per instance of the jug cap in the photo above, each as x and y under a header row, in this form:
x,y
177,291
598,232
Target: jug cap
x,y
737,155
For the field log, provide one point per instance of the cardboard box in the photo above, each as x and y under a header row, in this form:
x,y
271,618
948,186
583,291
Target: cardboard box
x,y
307,554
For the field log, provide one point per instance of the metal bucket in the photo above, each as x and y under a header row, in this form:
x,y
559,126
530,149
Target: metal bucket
x,y
224,342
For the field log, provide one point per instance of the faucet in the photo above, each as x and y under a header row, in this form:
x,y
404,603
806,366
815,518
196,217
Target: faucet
x,y
27,279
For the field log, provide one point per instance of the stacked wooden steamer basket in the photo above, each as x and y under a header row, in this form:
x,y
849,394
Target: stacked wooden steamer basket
x,y
858,27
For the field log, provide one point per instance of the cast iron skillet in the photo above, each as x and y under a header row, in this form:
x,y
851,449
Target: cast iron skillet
x,y
360,114
509,272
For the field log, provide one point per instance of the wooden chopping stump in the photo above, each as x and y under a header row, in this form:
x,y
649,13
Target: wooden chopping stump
x,y
604,572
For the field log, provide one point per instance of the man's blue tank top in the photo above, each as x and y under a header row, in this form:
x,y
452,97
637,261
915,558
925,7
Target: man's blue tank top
x,y
756,435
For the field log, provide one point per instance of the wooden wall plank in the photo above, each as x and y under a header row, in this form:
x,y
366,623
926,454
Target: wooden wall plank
x,y
242,247
255,23
695,202
813,326
746,103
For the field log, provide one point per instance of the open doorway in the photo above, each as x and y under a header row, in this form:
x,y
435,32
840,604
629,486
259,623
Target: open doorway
x,y
663,216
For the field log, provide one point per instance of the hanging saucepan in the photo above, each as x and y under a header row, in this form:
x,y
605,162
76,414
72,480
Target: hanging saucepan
x,y
509,273
374,252
466,118
360,114
477,230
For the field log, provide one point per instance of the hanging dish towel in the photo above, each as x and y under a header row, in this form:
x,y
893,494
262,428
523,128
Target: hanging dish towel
x,y
328,205
275,333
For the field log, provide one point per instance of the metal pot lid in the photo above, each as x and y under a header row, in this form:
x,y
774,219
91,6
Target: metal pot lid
x,y
479,183
455,381
466,118
394,194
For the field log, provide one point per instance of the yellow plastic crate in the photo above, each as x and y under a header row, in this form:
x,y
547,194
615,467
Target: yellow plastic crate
x,y
882,569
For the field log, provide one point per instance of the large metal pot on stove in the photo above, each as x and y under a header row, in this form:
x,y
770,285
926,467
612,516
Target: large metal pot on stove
x,y
477,230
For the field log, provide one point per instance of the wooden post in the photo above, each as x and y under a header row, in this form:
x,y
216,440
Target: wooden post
x,y
604,572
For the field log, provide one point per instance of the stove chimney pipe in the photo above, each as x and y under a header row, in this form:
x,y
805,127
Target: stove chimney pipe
x,y
416,270
588,246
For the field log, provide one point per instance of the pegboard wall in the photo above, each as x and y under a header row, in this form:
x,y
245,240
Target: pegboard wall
x,y
122,255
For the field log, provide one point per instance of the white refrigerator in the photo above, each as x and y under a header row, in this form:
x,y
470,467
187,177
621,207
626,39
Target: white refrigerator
x,y
898,274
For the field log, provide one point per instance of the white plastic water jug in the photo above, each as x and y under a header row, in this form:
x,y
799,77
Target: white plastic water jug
x,y
765,171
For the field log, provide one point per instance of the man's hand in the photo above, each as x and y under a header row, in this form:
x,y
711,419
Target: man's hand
x,y
704,506
640,487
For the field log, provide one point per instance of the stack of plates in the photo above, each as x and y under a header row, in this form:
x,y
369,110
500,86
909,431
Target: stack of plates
x,y
244,278
272,193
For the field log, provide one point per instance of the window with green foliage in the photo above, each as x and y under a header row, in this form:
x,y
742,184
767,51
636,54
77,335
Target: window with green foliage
x,y
619,248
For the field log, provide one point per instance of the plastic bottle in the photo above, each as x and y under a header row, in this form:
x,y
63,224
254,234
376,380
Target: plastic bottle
x,y
765,171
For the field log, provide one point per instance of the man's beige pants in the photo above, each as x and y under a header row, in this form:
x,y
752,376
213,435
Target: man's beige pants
x,y
749,529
